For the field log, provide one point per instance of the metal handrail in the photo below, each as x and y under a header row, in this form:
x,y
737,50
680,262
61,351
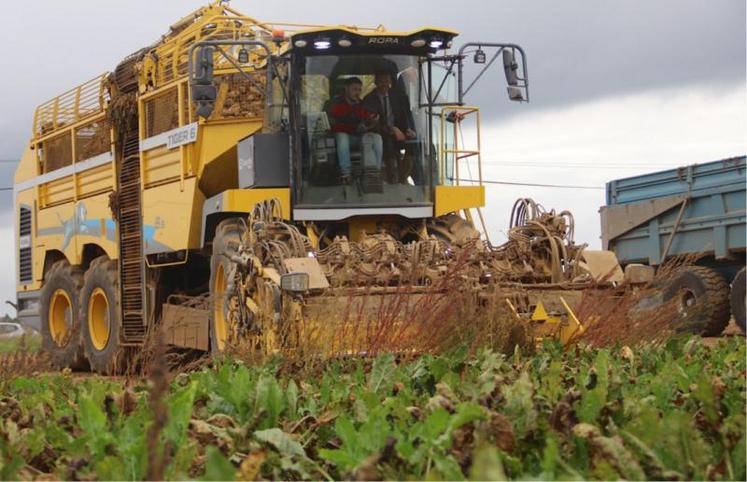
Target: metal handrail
x,y
71,107
460,112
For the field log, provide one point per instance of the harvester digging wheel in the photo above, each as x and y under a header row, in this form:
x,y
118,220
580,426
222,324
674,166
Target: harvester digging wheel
x,y
737,299
226,244
100,318
60,321
452,229
701,297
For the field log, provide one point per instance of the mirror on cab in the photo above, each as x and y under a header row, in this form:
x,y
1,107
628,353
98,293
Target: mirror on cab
x,y
514,68
510,68
204,91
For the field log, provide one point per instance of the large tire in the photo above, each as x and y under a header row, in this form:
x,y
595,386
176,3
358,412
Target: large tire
x,y
226,244
60,323
452,229
737,299
100,318
701,297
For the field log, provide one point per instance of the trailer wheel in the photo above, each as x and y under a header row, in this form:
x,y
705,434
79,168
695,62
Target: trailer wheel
x,y
100,317
226,243
701,297
60,323
737,299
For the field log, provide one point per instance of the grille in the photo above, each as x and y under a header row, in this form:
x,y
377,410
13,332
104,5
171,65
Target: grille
x,y
25,274
162,113
57,152
92,140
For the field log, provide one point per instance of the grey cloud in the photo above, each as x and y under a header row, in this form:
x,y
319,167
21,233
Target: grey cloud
x,y
578,50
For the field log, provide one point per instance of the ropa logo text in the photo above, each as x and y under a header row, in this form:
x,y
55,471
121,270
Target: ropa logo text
x,y
383,40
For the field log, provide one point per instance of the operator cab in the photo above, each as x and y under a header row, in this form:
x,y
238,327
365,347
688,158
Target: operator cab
x,y
358,122
345,154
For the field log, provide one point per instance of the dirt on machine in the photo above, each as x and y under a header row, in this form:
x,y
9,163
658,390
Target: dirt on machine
x,y
214,190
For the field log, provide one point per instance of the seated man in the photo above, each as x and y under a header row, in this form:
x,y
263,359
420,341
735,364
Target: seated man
x,y
350,124
395,123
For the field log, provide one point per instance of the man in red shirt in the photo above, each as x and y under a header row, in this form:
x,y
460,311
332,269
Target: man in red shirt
x,y
350,123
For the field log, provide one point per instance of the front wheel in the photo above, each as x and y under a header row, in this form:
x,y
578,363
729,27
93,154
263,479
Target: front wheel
x,y
100,317
226,244
453,229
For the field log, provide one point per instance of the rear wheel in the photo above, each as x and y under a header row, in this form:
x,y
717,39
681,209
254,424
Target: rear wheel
x,y
701,297
100,317
737,299
60,326
226,244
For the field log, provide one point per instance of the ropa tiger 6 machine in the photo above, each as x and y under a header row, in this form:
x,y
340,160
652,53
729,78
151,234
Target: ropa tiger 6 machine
x,y
200,189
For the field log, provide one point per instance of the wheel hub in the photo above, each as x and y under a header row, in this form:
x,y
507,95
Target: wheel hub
x,y
99,324
686,302
60,317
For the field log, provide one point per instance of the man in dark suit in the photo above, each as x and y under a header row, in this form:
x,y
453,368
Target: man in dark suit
x,y
395,123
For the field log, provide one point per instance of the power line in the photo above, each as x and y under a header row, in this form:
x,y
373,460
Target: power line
x,y
9,161
532,184
564,165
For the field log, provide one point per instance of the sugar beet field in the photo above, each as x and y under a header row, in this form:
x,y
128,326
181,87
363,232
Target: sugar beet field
x,y
670,411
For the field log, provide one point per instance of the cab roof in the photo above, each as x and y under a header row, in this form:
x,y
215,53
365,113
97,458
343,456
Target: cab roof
x,y
344,38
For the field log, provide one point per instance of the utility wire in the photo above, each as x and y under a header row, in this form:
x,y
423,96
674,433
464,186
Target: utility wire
x,y
564,165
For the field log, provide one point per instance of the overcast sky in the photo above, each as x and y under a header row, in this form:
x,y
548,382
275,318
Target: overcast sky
x,y
618,88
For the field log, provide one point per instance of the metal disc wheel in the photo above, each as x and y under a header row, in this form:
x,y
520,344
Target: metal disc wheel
x,y
60,326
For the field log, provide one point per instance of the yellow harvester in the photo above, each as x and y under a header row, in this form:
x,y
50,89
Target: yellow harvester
x,y
197,187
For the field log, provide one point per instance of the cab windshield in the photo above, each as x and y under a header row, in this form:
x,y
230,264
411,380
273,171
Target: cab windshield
x,y
363,132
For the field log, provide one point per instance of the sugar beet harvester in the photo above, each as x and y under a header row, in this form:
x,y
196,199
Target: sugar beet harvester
x,y
198,188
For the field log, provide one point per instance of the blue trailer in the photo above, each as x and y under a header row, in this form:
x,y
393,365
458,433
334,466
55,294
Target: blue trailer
x,y
696,210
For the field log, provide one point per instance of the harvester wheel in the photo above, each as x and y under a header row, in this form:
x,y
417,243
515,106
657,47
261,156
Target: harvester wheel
x,y
100,317
452,229
60,325
226,244
701,297
737,299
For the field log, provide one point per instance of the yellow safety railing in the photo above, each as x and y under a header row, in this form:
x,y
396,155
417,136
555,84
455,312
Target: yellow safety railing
x,y
452,119
217,22
71,107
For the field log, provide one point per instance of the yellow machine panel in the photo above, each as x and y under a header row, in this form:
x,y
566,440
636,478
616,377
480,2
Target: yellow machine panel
x,y
451,199
172,217
243,200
